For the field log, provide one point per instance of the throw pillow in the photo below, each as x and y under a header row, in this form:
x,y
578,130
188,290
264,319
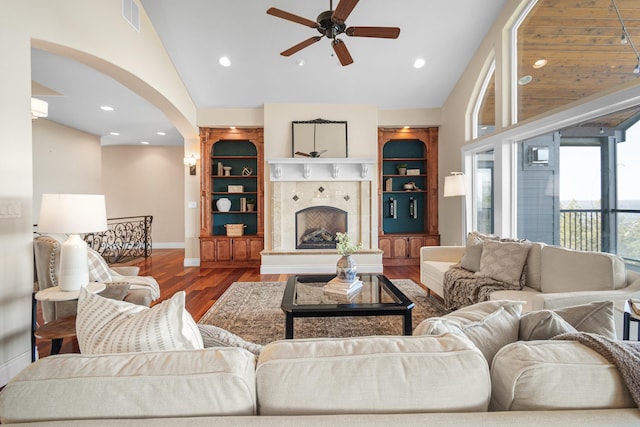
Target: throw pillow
x,y
473,250
108,326
503,261
489,325
595,318
98,268
115,290
213,336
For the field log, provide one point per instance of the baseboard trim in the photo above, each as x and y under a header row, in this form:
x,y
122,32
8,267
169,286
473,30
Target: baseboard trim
x,y
192,262
168,245
12,367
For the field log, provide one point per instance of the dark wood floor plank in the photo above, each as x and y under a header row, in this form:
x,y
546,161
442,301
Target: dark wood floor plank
x,y
202,286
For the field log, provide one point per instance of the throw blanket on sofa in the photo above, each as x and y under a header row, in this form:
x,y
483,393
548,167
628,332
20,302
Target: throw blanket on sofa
x,y
462,287
625,355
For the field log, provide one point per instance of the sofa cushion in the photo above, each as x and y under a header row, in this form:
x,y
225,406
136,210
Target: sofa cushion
x,y
566,270
390,374
490,325
108,326
595,317
213,336
133,385
533,266
503,261
555,375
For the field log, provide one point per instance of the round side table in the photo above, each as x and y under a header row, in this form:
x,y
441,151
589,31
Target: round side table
x,y
58,329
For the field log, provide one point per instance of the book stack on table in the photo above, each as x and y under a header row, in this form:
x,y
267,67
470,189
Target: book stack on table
x,y
341,287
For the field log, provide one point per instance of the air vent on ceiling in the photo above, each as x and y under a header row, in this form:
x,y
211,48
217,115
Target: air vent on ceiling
x,y
131,13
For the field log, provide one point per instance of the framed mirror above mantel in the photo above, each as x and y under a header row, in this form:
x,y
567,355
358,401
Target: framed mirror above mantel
x,y
319,138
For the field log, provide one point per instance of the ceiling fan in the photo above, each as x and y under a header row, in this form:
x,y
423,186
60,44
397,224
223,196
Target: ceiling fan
x,y
331,23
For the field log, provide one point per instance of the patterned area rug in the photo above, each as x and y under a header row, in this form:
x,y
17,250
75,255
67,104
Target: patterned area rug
x,y
252,311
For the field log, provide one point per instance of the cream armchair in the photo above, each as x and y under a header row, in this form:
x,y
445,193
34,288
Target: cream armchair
x,y
125,284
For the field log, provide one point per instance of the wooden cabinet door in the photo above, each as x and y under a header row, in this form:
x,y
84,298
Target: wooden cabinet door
x,y
223,250
240,249
255,247
415,243
400,247
207,250
384,243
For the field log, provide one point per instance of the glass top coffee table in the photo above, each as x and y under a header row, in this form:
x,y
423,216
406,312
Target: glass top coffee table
x,y
304,296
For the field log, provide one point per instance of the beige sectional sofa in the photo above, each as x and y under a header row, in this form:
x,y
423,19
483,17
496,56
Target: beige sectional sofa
x,y
555,277
367,381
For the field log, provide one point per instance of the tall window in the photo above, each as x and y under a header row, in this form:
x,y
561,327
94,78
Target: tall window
x,y
628,195
484,113
484,203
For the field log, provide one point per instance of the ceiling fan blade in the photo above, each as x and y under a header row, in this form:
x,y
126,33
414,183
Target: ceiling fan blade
x,y
291,17
300,46
379,32
342,52
343,10
300,153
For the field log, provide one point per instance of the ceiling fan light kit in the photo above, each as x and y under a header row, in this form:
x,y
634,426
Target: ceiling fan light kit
x,y
332,23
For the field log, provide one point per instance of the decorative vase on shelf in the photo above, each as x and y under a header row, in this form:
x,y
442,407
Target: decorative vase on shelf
x,y
346,269
223,204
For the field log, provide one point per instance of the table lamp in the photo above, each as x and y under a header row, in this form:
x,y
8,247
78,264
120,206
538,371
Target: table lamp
x,y
72,214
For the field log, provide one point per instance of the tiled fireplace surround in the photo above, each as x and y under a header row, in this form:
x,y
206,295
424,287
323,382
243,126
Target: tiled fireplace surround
x,y
296,184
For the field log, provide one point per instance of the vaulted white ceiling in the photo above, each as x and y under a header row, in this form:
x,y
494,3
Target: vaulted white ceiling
x,y
196,33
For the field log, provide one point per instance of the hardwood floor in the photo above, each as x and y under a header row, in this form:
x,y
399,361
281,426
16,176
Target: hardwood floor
x,y
203,286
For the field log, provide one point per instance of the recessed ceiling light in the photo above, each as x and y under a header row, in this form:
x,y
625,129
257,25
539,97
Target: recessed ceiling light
x,y
232,127
525,80
144,142
106,108
419,63
114,133
224,61
300,62
540,63
161,133
406,127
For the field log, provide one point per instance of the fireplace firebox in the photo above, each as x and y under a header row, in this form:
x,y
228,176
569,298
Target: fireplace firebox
x,y
316,227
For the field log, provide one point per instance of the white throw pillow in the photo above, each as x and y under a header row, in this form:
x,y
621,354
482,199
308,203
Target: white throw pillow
x,y
489,325
108,326
503,261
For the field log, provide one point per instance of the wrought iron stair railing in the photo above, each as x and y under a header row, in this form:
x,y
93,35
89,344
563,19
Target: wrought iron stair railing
x,y
126,238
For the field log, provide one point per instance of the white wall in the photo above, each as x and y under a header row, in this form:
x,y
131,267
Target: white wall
x,y
65,160
16,186
144,180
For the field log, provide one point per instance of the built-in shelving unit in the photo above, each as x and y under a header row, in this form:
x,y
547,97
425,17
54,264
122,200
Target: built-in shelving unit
x,y
241,150
408,199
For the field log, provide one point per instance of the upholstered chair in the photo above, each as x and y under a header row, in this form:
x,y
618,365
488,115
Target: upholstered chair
x,y
122,283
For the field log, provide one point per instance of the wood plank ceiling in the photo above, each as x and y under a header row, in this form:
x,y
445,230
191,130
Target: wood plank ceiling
x,y
581,42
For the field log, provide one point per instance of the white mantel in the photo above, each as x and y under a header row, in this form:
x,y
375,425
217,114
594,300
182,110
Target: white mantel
x,y
322,169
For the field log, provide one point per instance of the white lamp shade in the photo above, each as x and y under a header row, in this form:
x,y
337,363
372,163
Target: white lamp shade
x,y
454,185
72,213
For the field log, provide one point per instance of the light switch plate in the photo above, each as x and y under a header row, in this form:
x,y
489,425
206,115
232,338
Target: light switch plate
x,y
192,205
10,209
